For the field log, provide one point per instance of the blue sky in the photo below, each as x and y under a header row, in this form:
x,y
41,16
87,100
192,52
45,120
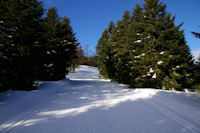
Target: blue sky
x,y
90,17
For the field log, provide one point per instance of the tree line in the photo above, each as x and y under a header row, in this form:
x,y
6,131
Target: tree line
x,y
146,49
33,46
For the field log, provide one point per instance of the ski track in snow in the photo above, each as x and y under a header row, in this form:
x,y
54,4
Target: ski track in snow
x,y
88,104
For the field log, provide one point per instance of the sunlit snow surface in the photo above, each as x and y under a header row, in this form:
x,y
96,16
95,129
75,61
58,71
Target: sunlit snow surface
x,y
87,103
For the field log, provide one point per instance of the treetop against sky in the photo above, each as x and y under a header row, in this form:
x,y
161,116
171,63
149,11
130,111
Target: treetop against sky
x,y
90,17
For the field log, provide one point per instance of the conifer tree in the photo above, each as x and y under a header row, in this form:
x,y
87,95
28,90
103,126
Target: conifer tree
x,y
121,48
48,50
105,53
148,49
20,31
172,61
66,49
59,49
101,52
135,37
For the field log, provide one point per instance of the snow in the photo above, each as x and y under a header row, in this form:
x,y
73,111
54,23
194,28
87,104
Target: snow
x,y
48,52
138,34
154,76
53,51
49,65
148,37
138,41
64,40
70,43
36,42
133,50
160,62
151,70
143,54
9,36
137,57
4,57
143,76
88,104
148,74
66,49
1,21
176,74
162,52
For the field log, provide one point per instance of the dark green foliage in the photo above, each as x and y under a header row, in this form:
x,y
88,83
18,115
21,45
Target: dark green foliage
x,y
59,49
20,31
33,48
105,53
197,68
196,34
147,49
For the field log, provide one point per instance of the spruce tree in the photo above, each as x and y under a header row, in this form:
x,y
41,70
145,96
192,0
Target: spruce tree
x,y
147,49
101,50
172,61
121,48
66,49
105,53
136,52
20,31
48,50
59,50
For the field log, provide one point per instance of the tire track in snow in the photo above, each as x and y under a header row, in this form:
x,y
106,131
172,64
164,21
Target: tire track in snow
x,y
192,128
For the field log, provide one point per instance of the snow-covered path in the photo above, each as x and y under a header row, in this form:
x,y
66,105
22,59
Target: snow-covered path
x,y
88,104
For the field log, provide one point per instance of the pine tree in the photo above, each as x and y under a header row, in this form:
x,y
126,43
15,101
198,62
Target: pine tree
x,y
135,37
105,53
66,49
172,61
59,50
101,53
147,49
48,50
121,48
20,31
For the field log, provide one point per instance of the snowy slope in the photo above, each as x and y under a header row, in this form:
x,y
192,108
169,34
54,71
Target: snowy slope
x,y
88,104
